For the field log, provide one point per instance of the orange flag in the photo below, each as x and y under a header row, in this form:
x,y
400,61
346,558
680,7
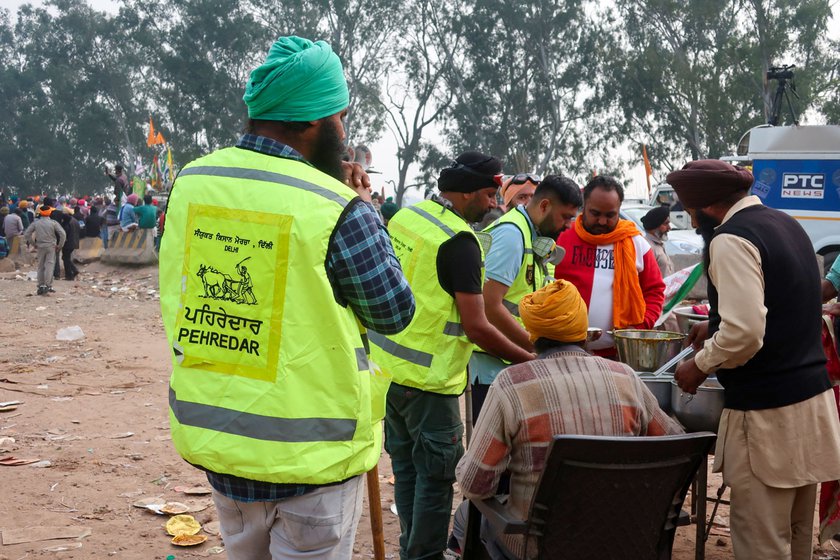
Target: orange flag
x,y
150,139
159,139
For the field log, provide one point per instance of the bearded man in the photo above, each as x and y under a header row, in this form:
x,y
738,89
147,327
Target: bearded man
x,y
271,392
657,224
611,265
516,265
779,434
443,260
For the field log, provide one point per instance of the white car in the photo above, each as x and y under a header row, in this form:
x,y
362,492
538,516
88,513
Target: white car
x,y
680,241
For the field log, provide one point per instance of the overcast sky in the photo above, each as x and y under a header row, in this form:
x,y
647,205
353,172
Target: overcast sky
x,y
384,151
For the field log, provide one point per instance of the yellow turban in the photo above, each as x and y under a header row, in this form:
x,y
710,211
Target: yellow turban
x,y
556,312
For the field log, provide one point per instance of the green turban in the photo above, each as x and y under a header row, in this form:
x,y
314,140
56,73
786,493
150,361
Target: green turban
x,y
299,81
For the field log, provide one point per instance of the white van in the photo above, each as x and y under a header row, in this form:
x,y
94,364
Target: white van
x,y
797,170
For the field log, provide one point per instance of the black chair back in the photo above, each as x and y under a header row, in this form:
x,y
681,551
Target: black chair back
x,y
614,497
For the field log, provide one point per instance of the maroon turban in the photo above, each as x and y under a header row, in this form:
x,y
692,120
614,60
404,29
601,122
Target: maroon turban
x,y
705,182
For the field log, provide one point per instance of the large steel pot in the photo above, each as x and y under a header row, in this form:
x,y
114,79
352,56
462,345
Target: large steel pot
x,y
647,350
660,387
687,318
700,413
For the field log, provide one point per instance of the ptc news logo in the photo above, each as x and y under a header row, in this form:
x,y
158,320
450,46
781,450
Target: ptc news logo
x,y
803,185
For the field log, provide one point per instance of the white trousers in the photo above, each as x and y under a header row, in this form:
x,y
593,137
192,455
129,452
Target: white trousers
x,y
318,525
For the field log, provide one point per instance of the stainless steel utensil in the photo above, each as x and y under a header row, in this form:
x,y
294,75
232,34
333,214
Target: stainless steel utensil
x,y
673,361
593,333
701,412
647,350
687,318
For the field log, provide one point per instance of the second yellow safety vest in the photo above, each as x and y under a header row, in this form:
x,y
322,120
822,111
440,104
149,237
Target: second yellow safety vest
x,y
432,353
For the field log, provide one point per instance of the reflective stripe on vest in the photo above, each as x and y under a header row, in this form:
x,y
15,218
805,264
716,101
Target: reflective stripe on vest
x,y
512,307
271,378
260,427
432,352
267,176
432,219
416,357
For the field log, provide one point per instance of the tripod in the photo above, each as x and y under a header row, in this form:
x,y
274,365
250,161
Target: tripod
x,y
784,75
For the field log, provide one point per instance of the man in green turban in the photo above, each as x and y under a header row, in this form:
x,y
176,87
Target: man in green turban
x,y
272,394
300,92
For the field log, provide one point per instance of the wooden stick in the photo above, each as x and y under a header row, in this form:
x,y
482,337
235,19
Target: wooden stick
x,y
468,412
375,505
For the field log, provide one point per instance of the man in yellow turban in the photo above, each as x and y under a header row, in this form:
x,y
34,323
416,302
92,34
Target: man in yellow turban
x,y
565,390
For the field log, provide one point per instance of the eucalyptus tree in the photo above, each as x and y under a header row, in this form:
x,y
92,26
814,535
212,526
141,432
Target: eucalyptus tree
x,y
522,82
689,78
414,95
68,101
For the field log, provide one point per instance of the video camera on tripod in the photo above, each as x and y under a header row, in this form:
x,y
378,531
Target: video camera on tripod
x,y
784,75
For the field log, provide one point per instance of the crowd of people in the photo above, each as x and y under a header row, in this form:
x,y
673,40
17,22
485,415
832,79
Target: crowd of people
x,y
358,312
77,218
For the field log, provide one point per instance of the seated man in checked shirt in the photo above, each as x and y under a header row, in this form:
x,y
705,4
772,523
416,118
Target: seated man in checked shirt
x,y
564,391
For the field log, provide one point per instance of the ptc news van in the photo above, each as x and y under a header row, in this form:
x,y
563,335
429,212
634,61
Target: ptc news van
x,y
796,170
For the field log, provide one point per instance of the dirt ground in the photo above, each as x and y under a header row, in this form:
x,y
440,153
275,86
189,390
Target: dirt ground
x,y
94,416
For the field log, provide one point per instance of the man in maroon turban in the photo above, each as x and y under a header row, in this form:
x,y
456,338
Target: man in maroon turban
x,y
779,433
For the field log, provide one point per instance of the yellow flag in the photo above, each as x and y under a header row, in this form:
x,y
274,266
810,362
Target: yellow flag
x,y
169,166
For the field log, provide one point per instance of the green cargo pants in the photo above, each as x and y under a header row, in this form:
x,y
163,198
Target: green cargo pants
x,y
423,437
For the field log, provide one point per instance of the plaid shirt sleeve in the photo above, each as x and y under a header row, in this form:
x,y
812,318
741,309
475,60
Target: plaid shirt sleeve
x,y
366,274
479,470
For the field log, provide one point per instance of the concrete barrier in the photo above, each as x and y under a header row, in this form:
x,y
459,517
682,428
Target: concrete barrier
x,y
133,247
19,253
90,249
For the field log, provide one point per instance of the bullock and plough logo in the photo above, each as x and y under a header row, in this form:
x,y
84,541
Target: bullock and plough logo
x,y
222,286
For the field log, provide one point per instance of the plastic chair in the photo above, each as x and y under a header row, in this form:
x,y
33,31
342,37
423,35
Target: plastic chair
x,y
602,498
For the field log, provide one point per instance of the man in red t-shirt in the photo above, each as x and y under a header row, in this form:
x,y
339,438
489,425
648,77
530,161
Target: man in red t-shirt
x,y
611,264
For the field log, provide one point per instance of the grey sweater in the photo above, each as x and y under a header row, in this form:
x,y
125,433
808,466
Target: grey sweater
x,y
46,232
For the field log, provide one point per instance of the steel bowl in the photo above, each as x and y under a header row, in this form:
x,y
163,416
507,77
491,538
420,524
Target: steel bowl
x,y
646,350
687,318
660,387
700,413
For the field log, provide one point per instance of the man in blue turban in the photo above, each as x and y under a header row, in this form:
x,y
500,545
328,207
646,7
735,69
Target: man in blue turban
x,y
274,399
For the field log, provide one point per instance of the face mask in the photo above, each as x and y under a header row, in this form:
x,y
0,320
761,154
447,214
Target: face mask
x,y
543,247
546,251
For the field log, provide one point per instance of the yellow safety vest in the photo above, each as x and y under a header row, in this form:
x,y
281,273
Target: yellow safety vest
x,y
432,352
532,274
270,377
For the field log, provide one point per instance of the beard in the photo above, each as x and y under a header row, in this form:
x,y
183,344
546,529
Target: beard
x,y
706,229
474,212
706,226
547,228
328,151
596,229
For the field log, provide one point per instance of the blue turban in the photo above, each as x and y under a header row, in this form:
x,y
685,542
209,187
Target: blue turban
x,y
299,81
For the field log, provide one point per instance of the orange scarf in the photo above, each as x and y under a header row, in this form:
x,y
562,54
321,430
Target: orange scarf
x,y
628,303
